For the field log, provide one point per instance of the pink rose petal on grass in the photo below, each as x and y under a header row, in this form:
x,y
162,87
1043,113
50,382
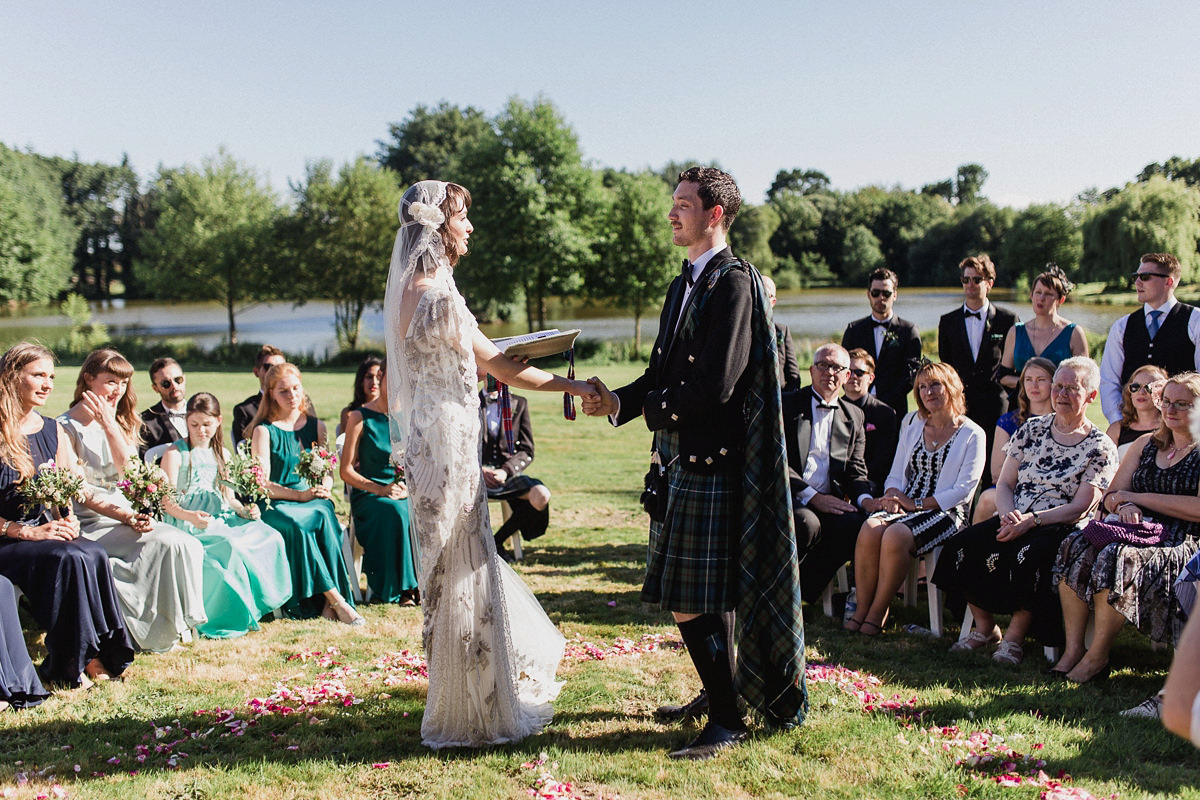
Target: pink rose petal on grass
x,y
381,764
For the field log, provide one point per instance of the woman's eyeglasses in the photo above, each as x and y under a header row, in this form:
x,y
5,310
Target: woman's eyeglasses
x,y
166,382
1177,405
1134,388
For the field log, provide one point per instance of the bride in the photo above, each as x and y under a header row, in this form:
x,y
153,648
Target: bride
x,y
491,649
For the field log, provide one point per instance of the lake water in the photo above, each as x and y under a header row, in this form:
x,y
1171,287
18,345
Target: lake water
x,y
817,313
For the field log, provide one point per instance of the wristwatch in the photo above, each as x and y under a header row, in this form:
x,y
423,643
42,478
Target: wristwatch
x,y
919,503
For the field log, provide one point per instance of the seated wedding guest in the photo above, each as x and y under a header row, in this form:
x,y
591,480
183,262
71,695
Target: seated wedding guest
x,y
163,422
268,356
67,580
882,426
1139,408
504,475
157,568
826,468
1181,695
379,500
1048,334
1033,400
366,388
1057,467
926,497
789,370
281,430
19,683
1159,479
246,574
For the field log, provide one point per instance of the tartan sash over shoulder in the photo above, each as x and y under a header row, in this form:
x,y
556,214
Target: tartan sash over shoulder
x,y
770,658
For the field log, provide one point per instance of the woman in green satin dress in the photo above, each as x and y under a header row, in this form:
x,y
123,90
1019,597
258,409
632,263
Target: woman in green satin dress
x,y
379,502
246,574
280,431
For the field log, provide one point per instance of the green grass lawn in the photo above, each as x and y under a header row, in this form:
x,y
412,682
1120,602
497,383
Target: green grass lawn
x,y
890,718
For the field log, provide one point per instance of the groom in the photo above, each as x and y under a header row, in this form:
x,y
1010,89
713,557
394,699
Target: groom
x,y
722,537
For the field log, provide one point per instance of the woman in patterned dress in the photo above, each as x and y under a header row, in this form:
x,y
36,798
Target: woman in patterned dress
x,y
1057,467
934,475
1159,478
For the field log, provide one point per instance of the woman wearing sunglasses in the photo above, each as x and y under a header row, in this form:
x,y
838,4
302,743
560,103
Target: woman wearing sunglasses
x,y
1048,334
1139,407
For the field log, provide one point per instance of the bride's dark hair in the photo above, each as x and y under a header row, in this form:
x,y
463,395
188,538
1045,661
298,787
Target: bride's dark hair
x,y
457,199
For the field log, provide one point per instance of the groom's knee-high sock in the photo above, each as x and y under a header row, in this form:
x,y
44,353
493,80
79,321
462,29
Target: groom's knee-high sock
x,y
707,644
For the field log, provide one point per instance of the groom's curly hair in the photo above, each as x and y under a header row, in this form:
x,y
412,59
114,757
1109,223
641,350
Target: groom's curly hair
x,y
717,188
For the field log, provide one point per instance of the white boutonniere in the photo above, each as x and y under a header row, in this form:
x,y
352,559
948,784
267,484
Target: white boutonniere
x,y
428,215
890,338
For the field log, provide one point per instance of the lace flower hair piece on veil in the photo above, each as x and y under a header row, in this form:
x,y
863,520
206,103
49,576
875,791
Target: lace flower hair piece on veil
x,y
419,246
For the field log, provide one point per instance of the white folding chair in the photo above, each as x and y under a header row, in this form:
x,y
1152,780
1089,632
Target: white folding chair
x,y
154,454
842,579
352,552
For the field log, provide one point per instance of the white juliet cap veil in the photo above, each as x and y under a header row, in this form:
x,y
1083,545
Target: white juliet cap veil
x,y
419,248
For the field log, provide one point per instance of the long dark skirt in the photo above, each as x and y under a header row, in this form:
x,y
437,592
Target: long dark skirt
x,y
19,684
1004,577
70,590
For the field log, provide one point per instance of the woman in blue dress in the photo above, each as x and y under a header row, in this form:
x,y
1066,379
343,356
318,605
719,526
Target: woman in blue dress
x,y
67,579
281,430
246,571
1048,334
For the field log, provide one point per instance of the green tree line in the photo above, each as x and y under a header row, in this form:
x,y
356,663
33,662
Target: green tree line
x,y
548,224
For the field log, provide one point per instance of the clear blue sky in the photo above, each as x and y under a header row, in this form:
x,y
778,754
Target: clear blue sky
x,y
1051,97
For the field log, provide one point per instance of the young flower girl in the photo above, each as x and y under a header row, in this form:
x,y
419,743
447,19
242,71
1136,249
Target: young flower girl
x,y
246,572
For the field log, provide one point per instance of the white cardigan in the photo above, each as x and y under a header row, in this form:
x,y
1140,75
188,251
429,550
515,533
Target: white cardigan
x,y
961,471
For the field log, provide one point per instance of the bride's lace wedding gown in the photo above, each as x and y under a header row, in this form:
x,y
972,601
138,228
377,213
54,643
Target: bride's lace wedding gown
x,y
491,649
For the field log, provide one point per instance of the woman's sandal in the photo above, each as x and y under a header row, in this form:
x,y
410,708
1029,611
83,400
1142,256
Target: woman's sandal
x,y
857,625
862,628
350,617
975,641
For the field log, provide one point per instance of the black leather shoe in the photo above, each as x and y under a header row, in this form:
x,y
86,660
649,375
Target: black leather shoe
x,y
712,740
694,709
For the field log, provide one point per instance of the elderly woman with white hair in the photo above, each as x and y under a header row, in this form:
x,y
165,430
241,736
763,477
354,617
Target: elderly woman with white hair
x,y
1056,468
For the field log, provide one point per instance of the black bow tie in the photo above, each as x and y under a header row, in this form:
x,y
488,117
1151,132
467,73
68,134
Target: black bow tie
x,y
879,324
829,406
975,314
686,272
179,414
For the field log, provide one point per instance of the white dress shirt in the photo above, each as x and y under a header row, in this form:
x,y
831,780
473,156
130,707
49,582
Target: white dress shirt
x,y
975,327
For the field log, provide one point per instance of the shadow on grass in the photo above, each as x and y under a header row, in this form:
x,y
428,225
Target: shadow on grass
x,y
978,694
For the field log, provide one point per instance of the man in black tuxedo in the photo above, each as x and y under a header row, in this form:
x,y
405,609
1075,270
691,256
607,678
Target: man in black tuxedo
x,y
789,369
971,339
722,481
504,474
165,421
893,342
883,429
826,439
268,356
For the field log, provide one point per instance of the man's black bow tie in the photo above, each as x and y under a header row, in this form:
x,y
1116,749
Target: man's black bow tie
x,y
829,406
686,272
180,414
975,314
879,324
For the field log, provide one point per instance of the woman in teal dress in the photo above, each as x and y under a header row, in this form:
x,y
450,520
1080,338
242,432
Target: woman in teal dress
x,y
281,430
1048,335
379,502
246,574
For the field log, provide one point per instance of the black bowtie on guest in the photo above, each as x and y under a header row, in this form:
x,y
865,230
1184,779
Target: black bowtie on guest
x,y
975,314
686,272
830,406
881,324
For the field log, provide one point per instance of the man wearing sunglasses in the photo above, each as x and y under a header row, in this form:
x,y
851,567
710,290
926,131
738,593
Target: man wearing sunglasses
x,y
165,421
893,342
971,339
1163,332
882,426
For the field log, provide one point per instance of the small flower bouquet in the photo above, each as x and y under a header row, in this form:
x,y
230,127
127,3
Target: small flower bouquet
x,y
247,477
146,488
53,487
399,469
315,464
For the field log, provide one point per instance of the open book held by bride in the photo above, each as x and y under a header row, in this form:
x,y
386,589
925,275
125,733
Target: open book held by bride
x,y
538,344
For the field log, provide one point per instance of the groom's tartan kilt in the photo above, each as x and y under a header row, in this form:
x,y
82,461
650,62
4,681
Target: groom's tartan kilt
x,y
690,562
